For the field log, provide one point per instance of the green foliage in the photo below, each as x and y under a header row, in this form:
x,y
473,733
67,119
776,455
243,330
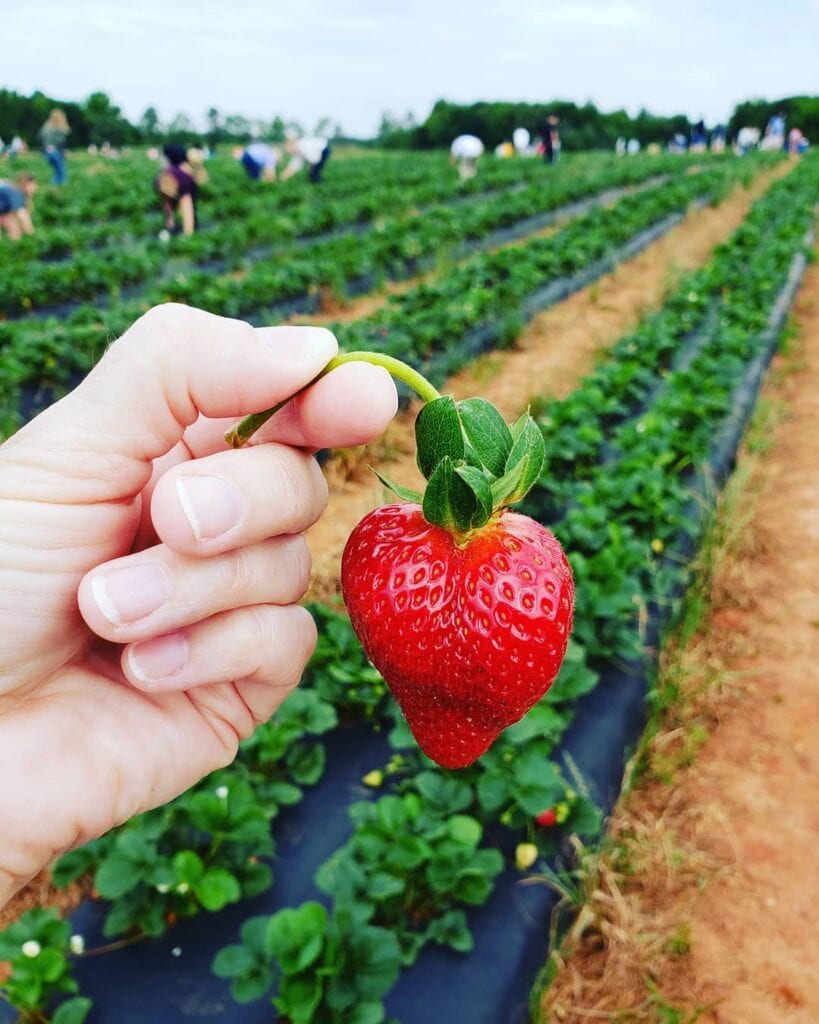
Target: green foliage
x,y
37,948
325,968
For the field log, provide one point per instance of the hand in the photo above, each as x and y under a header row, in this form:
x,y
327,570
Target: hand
x,y
148,575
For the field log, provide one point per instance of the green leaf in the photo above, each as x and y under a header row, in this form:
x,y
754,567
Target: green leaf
x,y
465,829
478,483
487,432
73,1011
299,997
188,866
438,434
231,961
524,464
295,936
50,964
382,885
116,876
443,794
493,792
449,502
404,493
367,1013
250,987
217,888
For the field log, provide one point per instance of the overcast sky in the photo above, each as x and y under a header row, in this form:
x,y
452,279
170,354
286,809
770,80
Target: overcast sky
x,y
351,61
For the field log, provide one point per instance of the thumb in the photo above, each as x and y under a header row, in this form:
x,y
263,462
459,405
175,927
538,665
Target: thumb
x,y
172,365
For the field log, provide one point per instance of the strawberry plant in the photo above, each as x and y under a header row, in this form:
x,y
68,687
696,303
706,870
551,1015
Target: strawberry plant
x,y
326,968
37,950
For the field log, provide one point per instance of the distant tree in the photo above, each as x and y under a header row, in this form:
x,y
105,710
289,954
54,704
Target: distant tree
x,y
277,128
149,125
104,121
800,111
237,126
323,127
215,131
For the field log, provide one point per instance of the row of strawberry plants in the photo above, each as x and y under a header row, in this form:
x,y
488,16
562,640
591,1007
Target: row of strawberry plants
x,y
119,206
396,248
439,866
52,352
489,290
397,240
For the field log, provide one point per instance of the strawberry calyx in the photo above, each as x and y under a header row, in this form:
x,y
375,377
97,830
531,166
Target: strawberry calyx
x,y
475,464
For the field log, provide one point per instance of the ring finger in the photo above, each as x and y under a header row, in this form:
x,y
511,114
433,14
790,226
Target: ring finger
x,y
264,645
158,590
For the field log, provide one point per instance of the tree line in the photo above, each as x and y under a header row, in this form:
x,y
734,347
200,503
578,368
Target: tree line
x,y
97,119
581,127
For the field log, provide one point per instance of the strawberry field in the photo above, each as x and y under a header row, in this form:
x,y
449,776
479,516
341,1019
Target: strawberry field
x,y
334,868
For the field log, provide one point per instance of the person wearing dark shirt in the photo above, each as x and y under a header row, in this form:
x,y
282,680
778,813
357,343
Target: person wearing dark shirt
x,y
177,189
550,139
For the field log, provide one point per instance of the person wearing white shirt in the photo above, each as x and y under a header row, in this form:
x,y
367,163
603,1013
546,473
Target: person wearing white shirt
x,y
259,160
464,153
521,137
311,150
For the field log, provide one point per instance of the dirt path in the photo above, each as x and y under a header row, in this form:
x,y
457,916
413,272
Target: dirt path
x,y
726,859
552,355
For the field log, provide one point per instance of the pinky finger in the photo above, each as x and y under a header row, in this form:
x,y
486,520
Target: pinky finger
x,y
264,645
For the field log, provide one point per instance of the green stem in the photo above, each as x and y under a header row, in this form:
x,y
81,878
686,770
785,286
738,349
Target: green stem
x,y
243,431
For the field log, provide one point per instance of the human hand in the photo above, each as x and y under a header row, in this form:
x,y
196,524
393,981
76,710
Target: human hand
x,y
148,575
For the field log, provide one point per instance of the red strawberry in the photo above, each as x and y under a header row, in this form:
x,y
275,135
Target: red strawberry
x,y
463,606
547,818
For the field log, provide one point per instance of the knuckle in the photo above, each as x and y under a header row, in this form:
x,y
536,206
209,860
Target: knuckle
x,y
297,564
239,575
303,487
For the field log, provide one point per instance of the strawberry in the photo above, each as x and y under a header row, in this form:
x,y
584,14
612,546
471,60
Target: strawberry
x,y
464,606
546,818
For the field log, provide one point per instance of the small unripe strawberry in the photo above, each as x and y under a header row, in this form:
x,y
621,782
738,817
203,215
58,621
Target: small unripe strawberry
x,y
525,855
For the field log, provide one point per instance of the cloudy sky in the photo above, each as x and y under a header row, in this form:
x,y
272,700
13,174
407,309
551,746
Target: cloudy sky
x,y
351,61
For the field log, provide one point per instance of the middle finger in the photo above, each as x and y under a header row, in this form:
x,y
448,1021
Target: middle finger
x,y
234,498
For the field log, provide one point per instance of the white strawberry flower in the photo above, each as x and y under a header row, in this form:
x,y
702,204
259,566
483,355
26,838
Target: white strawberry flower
x,y
77,945
222,792
182,888
31,948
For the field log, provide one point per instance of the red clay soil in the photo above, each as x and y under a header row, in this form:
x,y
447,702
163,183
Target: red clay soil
x,y
742,820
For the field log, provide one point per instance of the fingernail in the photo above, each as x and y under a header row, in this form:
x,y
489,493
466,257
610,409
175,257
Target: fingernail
x,y
125,595
159,658
211,504
309,341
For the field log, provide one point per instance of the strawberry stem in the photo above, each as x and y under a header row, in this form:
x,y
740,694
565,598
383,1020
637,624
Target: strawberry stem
x,y
243,431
